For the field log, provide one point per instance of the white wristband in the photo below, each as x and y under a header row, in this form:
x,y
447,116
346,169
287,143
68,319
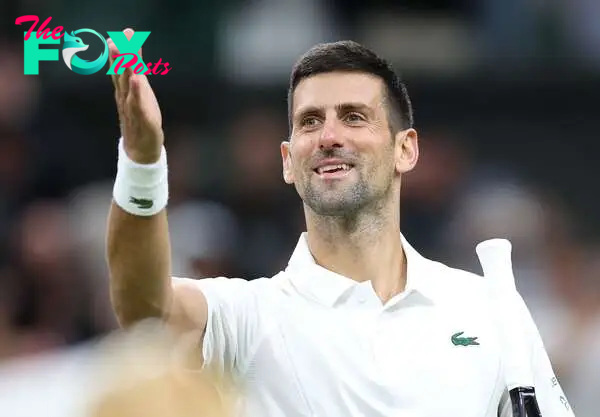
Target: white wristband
x,y
141,189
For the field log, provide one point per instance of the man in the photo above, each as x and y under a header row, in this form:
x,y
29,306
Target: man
x,y
358,324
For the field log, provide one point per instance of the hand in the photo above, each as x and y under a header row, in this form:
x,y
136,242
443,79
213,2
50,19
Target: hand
x,y
139,113
143,372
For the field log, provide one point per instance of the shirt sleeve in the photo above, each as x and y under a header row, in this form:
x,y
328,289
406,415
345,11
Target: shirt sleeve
x,y
232,324
550,395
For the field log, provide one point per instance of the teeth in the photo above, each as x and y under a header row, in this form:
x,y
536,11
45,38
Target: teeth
x,y
327,168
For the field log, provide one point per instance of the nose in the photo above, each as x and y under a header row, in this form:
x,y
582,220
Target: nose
x,y
331,136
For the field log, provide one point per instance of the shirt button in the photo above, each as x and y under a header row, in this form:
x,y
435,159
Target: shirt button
x,y
361,300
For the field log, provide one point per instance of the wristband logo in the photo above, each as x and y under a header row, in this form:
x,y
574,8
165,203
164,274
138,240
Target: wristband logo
x,y
142,203
127,58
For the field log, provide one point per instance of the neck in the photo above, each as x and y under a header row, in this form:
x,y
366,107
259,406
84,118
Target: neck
x,y
364,247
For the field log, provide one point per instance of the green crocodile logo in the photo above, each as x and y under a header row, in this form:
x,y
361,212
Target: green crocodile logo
x,y
458,340
142,203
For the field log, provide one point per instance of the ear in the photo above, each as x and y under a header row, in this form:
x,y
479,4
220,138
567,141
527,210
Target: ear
x,y
406,150
286,159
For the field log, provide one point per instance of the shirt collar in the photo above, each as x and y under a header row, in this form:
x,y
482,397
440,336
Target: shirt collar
x,y
327,286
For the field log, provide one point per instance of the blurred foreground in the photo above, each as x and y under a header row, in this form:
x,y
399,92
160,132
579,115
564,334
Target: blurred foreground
x,y
144,372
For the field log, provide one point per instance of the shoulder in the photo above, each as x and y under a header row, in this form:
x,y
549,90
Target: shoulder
x,y
234,287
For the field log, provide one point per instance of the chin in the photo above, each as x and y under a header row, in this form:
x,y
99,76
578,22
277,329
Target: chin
x,y
334,198
331,210
333,204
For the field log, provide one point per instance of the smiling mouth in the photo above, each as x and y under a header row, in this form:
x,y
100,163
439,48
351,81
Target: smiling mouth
x,y
333,170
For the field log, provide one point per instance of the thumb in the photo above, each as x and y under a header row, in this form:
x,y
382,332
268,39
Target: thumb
x,y
138,93
141,85
135,87
134,96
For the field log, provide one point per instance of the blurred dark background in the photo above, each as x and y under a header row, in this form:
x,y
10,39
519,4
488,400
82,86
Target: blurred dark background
x,y
505,94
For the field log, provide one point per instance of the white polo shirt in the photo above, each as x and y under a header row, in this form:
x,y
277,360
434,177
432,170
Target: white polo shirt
x,y
309,342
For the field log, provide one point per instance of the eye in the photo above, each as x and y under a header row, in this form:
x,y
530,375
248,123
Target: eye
x,y
309,121
354,117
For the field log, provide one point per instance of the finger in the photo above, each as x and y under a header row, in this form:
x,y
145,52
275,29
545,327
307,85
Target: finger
x,y
112,51
140,87
124,78
114,78
124,82
134,99
135,89
129,34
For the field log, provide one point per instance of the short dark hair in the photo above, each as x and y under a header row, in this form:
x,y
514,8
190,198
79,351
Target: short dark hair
x,y
350,56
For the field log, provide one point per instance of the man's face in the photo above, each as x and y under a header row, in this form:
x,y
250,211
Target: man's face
x,y
342,156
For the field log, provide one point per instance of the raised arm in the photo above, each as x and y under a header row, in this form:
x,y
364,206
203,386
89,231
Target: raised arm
x,y
138,246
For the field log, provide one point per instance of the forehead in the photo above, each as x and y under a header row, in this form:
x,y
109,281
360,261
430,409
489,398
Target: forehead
x,y
331,89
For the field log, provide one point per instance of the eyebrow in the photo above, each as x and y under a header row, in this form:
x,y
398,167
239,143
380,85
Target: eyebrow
x,y
339,108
